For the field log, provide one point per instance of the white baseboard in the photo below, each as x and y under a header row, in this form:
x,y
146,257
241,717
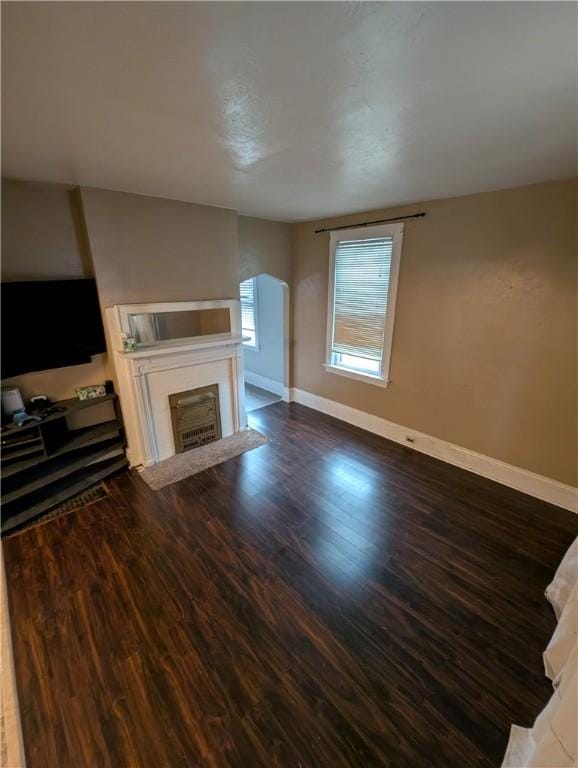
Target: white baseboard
x,y
552,491
271,385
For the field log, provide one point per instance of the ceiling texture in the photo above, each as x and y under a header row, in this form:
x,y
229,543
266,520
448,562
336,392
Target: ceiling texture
x,y
287,110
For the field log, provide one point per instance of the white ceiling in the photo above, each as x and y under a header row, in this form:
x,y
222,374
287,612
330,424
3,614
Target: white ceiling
x,y
290,110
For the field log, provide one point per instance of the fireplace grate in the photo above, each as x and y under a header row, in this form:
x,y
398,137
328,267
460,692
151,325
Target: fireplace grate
x,y
192,438
196,417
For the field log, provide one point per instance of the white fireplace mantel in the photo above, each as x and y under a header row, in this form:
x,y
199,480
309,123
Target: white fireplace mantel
x,y
146,377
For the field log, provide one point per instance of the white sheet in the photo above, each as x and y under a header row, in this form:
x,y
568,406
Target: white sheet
x,y
552,742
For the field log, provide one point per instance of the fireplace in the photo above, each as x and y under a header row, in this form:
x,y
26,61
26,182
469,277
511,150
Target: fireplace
x,y
195,417
180,392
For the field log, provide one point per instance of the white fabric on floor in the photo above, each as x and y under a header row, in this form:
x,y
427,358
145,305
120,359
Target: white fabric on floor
x,y
564,581
559,649
552,742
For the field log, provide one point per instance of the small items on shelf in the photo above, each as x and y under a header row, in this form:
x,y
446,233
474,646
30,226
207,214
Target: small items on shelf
x,y
128,343
90,392
13,407
46,462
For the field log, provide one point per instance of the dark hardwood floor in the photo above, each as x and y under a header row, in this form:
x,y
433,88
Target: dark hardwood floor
x,y
327,600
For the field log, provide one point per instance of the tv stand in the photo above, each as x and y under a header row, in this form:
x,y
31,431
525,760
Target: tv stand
x,y
45,462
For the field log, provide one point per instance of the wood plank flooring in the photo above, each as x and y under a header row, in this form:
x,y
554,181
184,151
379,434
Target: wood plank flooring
x,y
329,599
255,398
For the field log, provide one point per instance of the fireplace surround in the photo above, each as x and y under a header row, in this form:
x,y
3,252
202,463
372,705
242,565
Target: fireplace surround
x,y
147,377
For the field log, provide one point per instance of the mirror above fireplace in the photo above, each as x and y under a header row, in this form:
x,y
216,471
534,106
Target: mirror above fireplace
x,y
156,327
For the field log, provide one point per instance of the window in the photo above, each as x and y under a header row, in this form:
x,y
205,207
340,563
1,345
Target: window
x,y
362,289
249,312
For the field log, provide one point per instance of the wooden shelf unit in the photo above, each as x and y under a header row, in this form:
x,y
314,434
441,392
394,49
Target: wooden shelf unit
x,y
44,463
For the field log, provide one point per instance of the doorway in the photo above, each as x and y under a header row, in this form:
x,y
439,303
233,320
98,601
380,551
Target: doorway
x,y
265,326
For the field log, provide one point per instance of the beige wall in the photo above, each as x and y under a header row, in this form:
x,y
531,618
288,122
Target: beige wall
x,y
42,239
150,249
484,348
264,247
142,248
41,236
485,337
61,383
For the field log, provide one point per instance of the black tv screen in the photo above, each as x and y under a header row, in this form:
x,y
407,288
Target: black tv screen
x,y
49,324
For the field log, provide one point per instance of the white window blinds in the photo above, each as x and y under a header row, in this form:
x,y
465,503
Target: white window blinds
x,y
361,285
248,326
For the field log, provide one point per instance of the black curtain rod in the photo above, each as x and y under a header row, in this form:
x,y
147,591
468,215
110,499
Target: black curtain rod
x,y
368,223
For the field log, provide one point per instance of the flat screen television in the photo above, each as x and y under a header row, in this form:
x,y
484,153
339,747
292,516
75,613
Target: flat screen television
x,y
49,324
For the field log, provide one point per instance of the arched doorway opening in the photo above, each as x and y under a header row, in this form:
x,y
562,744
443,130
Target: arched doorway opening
x,y
265,324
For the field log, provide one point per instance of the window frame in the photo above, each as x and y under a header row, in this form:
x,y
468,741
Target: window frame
x,y
248,344
395,231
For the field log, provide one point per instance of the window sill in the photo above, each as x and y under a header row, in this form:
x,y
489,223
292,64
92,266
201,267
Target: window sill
x,y
247,344
366,378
